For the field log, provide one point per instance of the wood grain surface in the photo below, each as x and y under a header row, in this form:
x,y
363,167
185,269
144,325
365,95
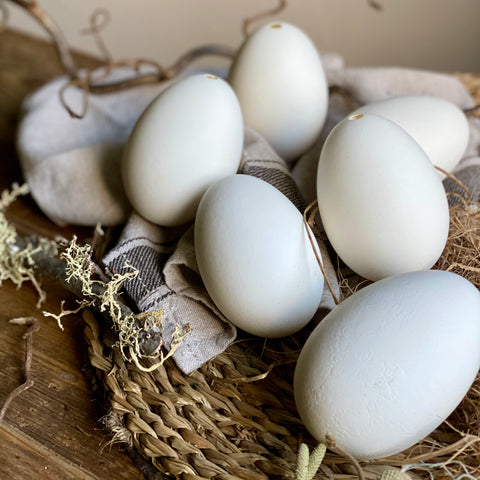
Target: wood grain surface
x,y
52,431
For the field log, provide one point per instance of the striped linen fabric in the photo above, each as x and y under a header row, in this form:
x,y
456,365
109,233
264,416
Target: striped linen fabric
x,y
168,275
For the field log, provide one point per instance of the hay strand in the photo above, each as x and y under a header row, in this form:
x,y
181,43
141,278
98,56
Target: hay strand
x,y
309,221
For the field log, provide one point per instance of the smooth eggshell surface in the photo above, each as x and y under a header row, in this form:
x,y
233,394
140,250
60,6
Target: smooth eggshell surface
x,y
189,137
382,204
390,363
255,258
281,85
437,125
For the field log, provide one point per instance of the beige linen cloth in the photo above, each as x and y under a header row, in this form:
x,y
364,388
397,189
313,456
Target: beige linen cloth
x,y
369,84
72,167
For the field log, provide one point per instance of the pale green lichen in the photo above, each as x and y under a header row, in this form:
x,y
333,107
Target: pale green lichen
x,y
64,312
7,197
395,474
105,295
308,464
79,265
81,268
17,263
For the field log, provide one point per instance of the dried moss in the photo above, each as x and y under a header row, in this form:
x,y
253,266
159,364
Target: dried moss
x,y
105,295
17,264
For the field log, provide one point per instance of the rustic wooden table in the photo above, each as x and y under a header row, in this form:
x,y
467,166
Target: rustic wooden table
x,y
51,431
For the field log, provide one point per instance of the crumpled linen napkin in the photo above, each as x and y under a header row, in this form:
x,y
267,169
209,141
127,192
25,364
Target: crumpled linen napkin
x,y
72,167
168,276
367,85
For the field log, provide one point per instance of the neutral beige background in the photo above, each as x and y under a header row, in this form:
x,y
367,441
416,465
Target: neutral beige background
x,y
430,34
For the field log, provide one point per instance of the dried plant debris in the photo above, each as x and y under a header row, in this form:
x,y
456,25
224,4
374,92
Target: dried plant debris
x,y
22,260
452,451
139,335
17,262
462,251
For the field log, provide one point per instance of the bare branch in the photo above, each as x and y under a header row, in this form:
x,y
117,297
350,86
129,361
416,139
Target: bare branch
x,y
268,13
99,20
375,5
97,81
80,83
55,33
196,53
97,85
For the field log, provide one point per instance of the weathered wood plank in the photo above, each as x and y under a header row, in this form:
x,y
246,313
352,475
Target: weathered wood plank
x,y
20,458
50,431
25,65
59,411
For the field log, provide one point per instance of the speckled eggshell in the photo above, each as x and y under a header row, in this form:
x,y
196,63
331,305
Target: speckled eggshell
x,y
382,204
281,85
390,363
189,137
437,125
255,258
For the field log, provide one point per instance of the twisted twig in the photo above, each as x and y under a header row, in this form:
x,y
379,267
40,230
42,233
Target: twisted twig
x,y
89,82
59,40
33,326
255,18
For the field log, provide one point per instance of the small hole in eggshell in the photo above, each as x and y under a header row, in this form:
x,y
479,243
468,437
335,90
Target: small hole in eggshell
x,y
355,117
276,25
213,77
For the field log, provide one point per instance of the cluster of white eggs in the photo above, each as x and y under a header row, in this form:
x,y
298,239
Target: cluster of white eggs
x,y
390,363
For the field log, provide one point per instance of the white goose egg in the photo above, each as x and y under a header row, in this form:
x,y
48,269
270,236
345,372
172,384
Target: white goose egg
x,y
437,125
281,85
390,363
255,258
189,137
382,204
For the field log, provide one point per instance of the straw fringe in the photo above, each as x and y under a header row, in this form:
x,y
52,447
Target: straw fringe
x,y
235,418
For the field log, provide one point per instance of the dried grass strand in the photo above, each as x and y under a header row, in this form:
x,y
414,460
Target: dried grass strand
x,y
455,179
309,221
332,445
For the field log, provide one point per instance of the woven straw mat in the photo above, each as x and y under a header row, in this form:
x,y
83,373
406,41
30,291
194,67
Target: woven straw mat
x,y
234,418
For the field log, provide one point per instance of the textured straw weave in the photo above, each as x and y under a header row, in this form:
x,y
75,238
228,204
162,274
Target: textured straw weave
x,y
234,418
